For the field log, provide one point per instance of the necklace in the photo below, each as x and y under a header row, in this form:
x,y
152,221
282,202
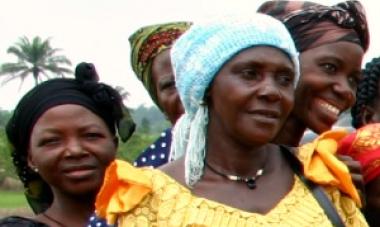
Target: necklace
x,y
250,181
53,220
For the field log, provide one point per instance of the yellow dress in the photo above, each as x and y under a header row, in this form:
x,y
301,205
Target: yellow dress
x,y
169,203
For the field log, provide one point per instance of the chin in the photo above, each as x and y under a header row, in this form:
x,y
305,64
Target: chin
x,y
319,128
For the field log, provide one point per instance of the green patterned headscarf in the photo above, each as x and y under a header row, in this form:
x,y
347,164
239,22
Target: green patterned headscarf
x,y
146,43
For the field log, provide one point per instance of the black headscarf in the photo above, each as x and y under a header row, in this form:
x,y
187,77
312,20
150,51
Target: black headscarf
x,y
84,90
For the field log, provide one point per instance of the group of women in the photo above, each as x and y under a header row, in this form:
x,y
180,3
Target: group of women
x,y
238,118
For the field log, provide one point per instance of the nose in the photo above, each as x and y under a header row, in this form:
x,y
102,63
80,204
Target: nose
x,y
74,149
345,91
269,91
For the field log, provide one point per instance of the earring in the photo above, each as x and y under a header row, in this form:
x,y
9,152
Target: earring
x,y
35,169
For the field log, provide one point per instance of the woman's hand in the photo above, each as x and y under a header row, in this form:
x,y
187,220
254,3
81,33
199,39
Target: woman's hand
x,y
356,174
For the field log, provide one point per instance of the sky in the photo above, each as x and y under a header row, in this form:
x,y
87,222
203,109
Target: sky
x,y
97,31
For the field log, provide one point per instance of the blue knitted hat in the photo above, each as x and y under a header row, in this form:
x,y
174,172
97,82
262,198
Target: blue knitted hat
x,y
197,56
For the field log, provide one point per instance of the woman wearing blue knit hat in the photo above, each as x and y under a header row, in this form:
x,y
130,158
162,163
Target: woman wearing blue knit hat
x,y
236,78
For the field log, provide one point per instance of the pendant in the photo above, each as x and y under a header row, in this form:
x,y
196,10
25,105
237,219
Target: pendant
x,y
251,183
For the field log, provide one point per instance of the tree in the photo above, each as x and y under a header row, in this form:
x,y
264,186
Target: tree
x,y
145,125
4,117
36,58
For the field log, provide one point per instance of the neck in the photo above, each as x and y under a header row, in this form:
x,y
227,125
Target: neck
x,y
71,210
291,133
226,154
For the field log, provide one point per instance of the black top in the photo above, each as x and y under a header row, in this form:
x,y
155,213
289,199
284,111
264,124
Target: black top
x,y
16,221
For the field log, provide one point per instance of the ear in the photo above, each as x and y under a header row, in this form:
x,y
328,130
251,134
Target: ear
x,y
30,162
207,98
367,115
116,142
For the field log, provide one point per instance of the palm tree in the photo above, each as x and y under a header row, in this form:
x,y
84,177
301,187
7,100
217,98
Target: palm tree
x,y
36,58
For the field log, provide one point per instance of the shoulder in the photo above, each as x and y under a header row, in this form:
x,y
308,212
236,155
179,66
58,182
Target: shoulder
x,y
176,170
16,221
345,206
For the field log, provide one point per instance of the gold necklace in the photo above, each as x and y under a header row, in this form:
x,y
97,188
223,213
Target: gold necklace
x,y
250,181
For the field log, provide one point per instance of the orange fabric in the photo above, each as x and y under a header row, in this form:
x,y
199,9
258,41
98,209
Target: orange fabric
x,y
123,188
363,145
323,167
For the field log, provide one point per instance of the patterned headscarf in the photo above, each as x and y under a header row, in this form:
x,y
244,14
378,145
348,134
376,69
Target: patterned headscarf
x,y
146,43
312,24
363,145
84,90
197,57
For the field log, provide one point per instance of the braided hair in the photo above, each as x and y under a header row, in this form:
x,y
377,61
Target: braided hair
x,y
367,91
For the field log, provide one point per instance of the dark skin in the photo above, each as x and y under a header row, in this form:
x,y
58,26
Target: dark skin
x,y
260,96
163,80
371,112
327,87
71,148
372,209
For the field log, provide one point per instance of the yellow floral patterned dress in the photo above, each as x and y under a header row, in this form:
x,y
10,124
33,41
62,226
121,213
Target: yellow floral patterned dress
x,y
169,203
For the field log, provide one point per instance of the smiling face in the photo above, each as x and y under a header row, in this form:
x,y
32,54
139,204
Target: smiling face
x,y
252,95
328,83
163,80
71,148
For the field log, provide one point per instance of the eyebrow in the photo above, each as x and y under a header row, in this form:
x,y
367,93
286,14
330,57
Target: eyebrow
x,y
257,63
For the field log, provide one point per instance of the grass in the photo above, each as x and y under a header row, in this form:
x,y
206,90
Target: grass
x,y
10,199
13,203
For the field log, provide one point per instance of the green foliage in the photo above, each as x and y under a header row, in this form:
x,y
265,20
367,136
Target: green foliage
x,y
36,58
153,116
137,143
4,117
12,199
6,165
145,125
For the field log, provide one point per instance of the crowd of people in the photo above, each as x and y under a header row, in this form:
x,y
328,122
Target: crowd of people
x,y
239,91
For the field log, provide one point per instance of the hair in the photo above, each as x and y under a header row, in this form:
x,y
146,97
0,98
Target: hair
x,y
84,90
367,91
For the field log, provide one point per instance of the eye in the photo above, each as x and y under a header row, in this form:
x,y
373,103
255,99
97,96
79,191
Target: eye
x,y
353,80
329,68
285,78
167,84
93,135
251,74
49,141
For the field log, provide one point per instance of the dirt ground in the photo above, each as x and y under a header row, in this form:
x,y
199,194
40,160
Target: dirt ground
x,y
26,212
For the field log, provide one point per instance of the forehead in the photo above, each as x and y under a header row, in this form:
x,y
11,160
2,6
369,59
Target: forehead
x,y
161,63
347,52
264,54
68,114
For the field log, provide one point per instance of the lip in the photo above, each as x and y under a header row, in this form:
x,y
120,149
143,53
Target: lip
x,y
325,112
265,116
329,107
272,114
79,171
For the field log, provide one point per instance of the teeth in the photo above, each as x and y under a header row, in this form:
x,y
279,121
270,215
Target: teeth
x,y
331,108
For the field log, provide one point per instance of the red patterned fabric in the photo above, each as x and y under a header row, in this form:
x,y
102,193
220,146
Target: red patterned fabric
x,y
364,146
